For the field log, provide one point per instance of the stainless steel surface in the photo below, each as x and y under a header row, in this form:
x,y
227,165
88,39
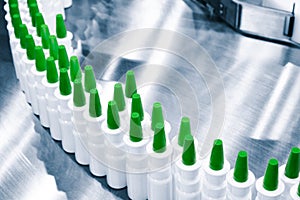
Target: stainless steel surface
x,y
254,20
261,95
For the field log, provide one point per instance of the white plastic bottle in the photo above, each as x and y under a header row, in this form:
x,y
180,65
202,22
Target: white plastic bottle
x,y
215,171
136,159
270,187
63,95
240,180
187,178
50,82
159,164
115,156
94,136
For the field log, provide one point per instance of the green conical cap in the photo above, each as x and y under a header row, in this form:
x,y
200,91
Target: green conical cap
x,y
217,156
119,96
14,9
78,94
130,84
185,129
137,106
53,47
159,140
189,152
52,75
241,167
31,2
39,21
16,21
40,60
157,115
292,167
45,34
61,30
271,175
33,9
75,70
23,32
135,131
89,78
63,59
10,2
298,190
29,47
113,119
95,109
64,82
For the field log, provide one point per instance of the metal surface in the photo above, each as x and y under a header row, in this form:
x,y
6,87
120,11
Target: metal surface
x,y
254,20
261,96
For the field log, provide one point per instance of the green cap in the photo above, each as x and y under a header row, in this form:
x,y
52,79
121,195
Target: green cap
x,y
52,75
33,9
119,96
136,105
16,21
217,156
29,47
10,2
39,21
130,85
63,59
135,131
23,32
64,82
30,2
75,70
95,109
113,119
189,152
271,175
89,78
78,94
292,167
61,30
14,9
53,47
240,173
159,140
298,190
45,34
40,60
185,129
157,115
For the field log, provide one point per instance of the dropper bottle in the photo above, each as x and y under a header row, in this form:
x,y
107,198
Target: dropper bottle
x,y
115,156
159,164
64,37
289,173
94,136
269,186
29,62
63,94
130,86
187,178
215,170
37,73
240,179
77,106
136,159
50,82
178,140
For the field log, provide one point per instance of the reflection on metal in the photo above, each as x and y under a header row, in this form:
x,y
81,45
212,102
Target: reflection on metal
x,y
251,71
266,23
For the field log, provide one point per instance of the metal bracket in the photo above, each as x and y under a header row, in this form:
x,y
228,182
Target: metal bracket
x,y
253,20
